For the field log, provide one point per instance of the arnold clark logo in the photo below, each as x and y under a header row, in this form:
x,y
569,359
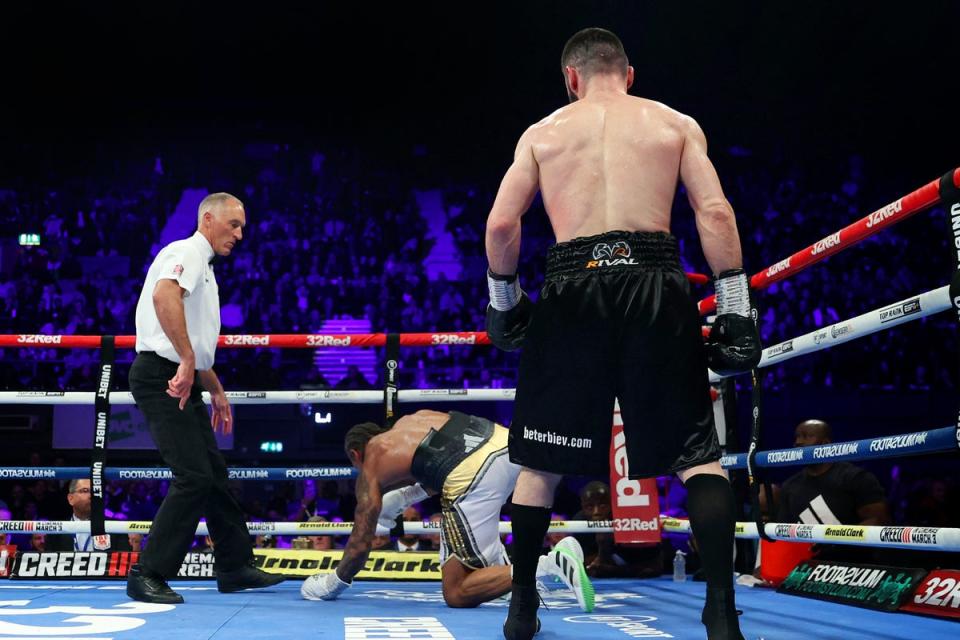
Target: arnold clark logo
x,y
845,533
909,535
900,310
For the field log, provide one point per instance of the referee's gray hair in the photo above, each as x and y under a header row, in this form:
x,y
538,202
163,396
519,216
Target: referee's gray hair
x,y
73,485
214,200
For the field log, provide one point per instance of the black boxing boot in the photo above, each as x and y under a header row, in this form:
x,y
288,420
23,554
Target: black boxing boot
x,y
720,615
522,622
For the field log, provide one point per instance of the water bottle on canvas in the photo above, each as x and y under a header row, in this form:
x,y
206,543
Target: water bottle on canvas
x,y
679,566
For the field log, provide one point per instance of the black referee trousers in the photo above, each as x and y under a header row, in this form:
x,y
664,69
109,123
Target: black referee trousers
x,y
199,487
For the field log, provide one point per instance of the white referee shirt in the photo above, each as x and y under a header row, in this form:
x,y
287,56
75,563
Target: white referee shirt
x,y
188,262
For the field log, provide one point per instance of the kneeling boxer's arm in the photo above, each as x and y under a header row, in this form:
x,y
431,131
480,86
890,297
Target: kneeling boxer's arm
x,y
369,502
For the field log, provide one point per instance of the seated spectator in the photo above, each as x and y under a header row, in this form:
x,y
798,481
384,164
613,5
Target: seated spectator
x,y
78,497
136,541
409,541
265,542
603,557
38,542
353,379
4,516
831,493
380,543
204,544
320,543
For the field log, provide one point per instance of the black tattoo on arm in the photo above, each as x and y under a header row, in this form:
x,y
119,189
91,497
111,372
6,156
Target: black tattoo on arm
x,y
369,502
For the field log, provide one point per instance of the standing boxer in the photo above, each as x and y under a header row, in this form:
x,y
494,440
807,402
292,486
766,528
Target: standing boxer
x,y
615,318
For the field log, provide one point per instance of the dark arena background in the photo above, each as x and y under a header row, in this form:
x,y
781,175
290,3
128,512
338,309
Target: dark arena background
x,y
367,144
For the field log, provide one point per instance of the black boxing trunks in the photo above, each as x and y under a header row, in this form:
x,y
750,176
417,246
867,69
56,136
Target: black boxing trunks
x,y
441,451
614,320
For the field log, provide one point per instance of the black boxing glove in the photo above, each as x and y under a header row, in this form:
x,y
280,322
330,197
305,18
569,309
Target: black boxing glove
x,y
734,342
509,312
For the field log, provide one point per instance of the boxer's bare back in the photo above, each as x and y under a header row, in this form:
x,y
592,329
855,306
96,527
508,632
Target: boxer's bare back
x,y
390,454
611,161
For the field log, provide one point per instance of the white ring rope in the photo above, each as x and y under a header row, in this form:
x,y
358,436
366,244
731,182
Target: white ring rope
x,y
891,315
931,538
273,397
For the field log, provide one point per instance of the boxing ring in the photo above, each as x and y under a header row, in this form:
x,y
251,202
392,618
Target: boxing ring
x,y
657,608
38,608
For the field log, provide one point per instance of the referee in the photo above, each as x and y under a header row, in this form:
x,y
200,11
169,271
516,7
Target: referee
x,y
178,323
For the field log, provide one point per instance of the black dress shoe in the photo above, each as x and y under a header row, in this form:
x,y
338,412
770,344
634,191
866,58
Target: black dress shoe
x,y
149,587
246,577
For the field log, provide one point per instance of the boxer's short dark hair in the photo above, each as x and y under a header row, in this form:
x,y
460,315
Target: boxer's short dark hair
x,y
359,435
594,50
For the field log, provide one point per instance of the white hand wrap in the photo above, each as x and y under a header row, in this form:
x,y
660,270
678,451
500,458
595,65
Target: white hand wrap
x,y
323,586
733,293
504,291
396,501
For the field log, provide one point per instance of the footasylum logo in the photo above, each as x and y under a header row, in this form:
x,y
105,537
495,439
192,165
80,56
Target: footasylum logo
x,y
872,586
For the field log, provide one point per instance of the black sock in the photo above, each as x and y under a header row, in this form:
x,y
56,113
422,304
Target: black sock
x,y
712,510
530,525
